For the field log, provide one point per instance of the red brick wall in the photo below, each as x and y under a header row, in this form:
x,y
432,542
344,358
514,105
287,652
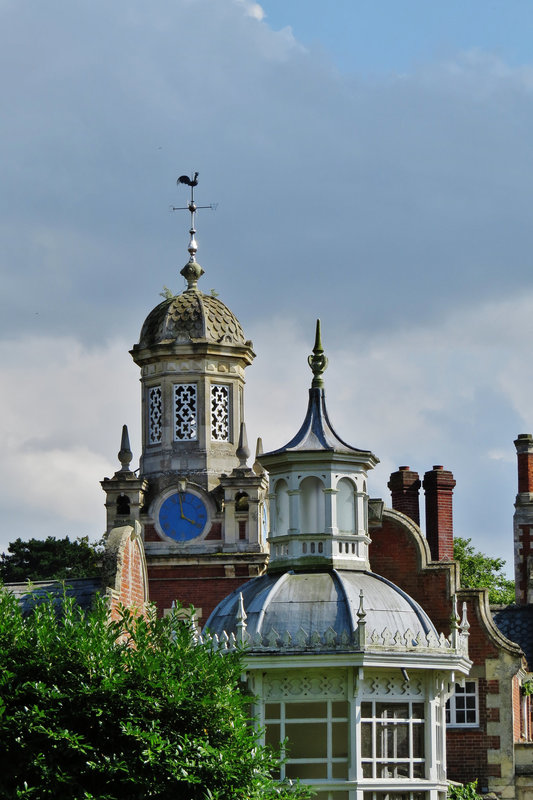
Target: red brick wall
x,y
203,587
127,578
395,554
467,747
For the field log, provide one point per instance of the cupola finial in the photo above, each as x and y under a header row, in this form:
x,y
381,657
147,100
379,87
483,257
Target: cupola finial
x,y
318,361
125,455
192,271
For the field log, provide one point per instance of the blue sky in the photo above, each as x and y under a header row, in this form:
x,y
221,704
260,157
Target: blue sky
x,y
374,37
372,166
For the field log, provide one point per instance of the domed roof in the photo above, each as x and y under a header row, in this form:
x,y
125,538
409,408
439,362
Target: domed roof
x,y
316,601
191,316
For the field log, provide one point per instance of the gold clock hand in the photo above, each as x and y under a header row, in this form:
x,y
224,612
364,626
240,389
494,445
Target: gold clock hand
x,y
181,506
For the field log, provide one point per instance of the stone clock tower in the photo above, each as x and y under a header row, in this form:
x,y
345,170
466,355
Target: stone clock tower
x,y
201,508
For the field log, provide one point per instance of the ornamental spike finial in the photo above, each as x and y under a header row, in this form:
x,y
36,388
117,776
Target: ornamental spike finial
x,y
318,361
241,621
192,271
243,451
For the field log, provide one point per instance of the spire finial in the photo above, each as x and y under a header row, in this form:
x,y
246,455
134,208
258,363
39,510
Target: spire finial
x,y
125,455
192,271
243,451
318,361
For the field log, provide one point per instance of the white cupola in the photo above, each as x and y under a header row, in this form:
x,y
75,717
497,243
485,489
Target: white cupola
x,y
318,491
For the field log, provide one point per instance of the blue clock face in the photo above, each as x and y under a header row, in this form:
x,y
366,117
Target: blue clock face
x,y
183,516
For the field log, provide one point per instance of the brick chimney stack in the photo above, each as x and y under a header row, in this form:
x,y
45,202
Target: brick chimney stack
x,y
404,486
438,486
523,520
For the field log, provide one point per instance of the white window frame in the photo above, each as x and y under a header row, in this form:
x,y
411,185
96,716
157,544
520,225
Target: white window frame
x,y
455,709
328,761
382,726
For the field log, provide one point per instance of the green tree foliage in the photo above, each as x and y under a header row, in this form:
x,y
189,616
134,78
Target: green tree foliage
x,y
129,709
50,559
467,791
479,571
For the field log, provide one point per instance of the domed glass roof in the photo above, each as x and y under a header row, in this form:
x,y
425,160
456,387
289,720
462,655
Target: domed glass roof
x,y
316,601
191,316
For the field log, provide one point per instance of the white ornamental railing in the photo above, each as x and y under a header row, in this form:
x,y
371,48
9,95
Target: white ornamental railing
x,y
332,640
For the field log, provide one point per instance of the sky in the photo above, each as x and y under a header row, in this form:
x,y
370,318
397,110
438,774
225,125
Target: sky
x,y
371,162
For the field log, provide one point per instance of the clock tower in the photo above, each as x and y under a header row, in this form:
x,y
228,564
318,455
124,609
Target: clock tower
x,y
202,507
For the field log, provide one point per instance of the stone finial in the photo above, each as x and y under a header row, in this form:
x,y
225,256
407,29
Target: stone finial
x,y
241,621
125,455
257,468
243,451
318,361
361,622
192,272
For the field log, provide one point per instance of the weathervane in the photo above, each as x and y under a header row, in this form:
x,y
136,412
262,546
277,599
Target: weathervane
x,y
192,207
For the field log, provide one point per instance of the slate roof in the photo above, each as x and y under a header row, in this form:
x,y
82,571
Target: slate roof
x,y
317,432
82,589
516,623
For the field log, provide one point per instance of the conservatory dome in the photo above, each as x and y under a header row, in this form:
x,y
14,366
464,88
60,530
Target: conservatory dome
x,y
314,602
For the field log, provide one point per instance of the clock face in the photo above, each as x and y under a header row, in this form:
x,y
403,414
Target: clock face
x,y
183,516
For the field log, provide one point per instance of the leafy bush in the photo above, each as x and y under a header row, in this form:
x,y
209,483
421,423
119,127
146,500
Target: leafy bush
x,y
466,791
131,709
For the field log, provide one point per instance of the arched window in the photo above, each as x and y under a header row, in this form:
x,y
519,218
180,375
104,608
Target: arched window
x,y
282,507
312,508
346,506
123,506
241,501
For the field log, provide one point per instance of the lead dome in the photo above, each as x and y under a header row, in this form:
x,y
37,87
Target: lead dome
x,y
313,602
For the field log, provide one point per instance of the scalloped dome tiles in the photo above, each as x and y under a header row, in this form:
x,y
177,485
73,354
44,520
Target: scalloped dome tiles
x,y
191,316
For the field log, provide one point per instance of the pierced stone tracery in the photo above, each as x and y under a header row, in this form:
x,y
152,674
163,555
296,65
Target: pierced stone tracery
x,y
220,412
185,412
155,415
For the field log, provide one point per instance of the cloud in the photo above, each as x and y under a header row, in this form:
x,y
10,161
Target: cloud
x,y
395,208
61,414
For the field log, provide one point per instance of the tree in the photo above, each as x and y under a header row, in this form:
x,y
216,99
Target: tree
x,y
479,571
50,559
134,709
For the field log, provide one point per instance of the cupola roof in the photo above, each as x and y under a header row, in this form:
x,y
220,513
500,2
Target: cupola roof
x,y
191,317
317,432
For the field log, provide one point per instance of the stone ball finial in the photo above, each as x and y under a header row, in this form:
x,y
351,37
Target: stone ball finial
x,y
192,272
